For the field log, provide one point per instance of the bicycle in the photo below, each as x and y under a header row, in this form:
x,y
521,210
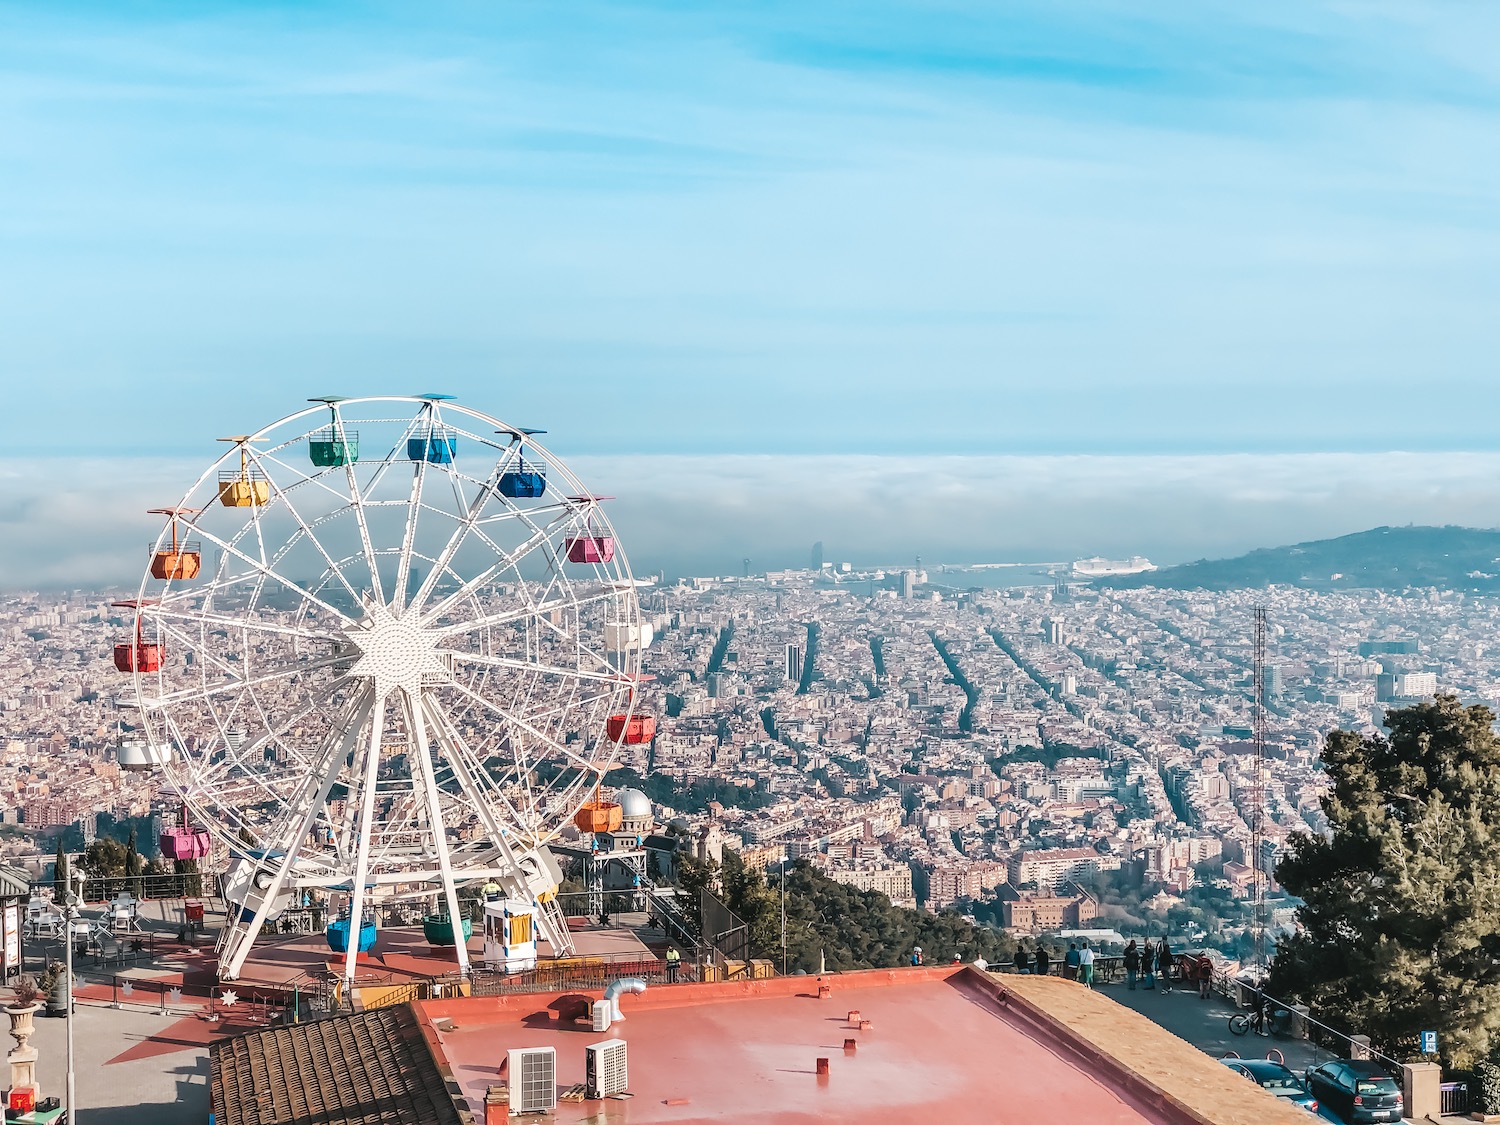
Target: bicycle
x,y
1240,1023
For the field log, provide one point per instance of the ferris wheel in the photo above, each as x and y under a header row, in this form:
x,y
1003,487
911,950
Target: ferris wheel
x,y
384,648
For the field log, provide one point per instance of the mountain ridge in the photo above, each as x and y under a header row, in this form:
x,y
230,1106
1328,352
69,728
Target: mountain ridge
x,y
1382,558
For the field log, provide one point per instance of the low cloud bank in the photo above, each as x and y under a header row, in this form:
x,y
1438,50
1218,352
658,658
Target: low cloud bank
x,y
82,523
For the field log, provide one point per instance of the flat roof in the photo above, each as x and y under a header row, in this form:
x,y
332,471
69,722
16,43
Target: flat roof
x,y
946,1044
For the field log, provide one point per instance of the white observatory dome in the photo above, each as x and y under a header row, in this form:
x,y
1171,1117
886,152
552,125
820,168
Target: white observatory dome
x,y
634,805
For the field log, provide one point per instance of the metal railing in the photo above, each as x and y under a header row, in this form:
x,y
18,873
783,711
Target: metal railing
x,y
1455,1098
582,973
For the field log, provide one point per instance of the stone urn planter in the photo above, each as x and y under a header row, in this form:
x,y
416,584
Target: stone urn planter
x,y
21,1026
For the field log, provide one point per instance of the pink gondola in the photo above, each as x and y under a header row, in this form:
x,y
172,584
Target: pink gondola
x,y
185,841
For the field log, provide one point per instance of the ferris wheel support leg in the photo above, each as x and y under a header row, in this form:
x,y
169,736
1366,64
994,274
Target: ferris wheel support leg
x,y
416,721
554,928
309,802
366,816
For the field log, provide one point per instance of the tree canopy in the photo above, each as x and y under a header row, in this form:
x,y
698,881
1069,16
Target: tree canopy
x,y
1400,931
843,927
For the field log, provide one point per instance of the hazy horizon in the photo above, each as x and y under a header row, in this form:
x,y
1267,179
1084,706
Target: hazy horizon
x,y
68,523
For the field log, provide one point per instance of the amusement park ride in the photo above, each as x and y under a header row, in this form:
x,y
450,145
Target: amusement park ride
x,y
384,650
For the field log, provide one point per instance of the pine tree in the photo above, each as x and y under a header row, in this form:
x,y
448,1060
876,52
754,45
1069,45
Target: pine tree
x,y
60,874
1400,931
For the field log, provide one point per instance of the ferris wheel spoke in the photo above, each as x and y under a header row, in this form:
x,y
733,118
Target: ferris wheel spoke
x,y
553,744
445,557
307,533
409,536
223,621
609,676
466,768
521,613
506,561
197,692
416,725
299,819
264,572
366,817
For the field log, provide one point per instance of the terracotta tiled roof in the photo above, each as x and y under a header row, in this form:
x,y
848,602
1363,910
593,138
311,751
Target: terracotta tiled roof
x,y
373,1068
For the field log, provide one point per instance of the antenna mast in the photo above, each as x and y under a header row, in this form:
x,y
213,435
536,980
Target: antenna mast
x,y
1258,788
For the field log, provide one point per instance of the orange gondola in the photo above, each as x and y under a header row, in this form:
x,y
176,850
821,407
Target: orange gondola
x,y
182,560
599,815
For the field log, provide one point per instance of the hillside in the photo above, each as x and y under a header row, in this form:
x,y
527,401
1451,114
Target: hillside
x,y
1385,558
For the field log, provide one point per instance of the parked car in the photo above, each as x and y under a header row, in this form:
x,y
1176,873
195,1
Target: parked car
x,y
1357,1089
1276,1079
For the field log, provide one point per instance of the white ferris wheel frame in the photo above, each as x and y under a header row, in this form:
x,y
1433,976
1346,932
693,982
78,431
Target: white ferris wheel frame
x,y
299,681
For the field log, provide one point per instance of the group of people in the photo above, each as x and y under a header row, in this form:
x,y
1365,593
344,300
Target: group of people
x,y
1077,963
1145,963
1150,962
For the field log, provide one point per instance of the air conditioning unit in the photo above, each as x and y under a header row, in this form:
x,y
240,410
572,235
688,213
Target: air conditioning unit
x,y
602,1015
533,1079
604,1068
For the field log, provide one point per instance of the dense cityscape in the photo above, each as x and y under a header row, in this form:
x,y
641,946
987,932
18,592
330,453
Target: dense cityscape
x,y
1051,758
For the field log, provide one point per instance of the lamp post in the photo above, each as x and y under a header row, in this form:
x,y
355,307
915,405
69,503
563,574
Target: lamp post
x,y
70,912
783,914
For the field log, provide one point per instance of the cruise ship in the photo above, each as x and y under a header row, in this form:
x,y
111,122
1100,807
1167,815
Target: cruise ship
x,y
1103,568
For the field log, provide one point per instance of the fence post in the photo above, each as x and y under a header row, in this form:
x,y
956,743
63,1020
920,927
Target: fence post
x,y
1301,1013
114,992
1422,1085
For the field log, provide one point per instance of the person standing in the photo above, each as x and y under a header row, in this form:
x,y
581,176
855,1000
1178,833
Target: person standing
x,y
674,964
1205,969
1132,963
1022,959
1148,967
1071,962
1164,965
1086,966
1043,961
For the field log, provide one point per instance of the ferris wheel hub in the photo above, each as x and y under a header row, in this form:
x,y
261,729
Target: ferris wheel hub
x,y
396,652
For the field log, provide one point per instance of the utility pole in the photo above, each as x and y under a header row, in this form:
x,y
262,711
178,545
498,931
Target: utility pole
x,y
1258,790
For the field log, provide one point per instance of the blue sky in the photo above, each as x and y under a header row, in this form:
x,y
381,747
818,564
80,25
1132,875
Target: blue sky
x,y
854,229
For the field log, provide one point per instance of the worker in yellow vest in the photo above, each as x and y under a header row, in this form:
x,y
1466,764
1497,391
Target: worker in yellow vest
x,y
674,963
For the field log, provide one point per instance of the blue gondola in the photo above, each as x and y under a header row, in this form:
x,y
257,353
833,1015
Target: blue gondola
x,y
525,484
338,935
438,447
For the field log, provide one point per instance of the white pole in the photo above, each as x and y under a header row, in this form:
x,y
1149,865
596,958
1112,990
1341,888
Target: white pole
x,y
70,911
783,915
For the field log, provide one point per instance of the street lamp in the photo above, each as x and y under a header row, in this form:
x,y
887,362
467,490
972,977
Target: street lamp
x,y
73,898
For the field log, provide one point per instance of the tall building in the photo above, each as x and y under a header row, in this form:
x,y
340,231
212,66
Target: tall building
x,y
1056,633
908,583
1412,685
794,662
1274,681
816,561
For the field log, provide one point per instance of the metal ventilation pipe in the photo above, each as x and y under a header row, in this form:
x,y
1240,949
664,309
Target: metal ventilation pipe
x,y
612,993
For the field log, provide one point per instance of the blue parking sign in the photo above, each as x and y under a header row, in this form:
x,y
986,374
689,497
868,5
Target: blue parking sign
x,y
1429,1042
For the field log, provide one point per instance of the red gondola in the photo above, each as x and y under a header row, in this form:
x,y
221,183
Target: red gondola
x,y
632,730
137,655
